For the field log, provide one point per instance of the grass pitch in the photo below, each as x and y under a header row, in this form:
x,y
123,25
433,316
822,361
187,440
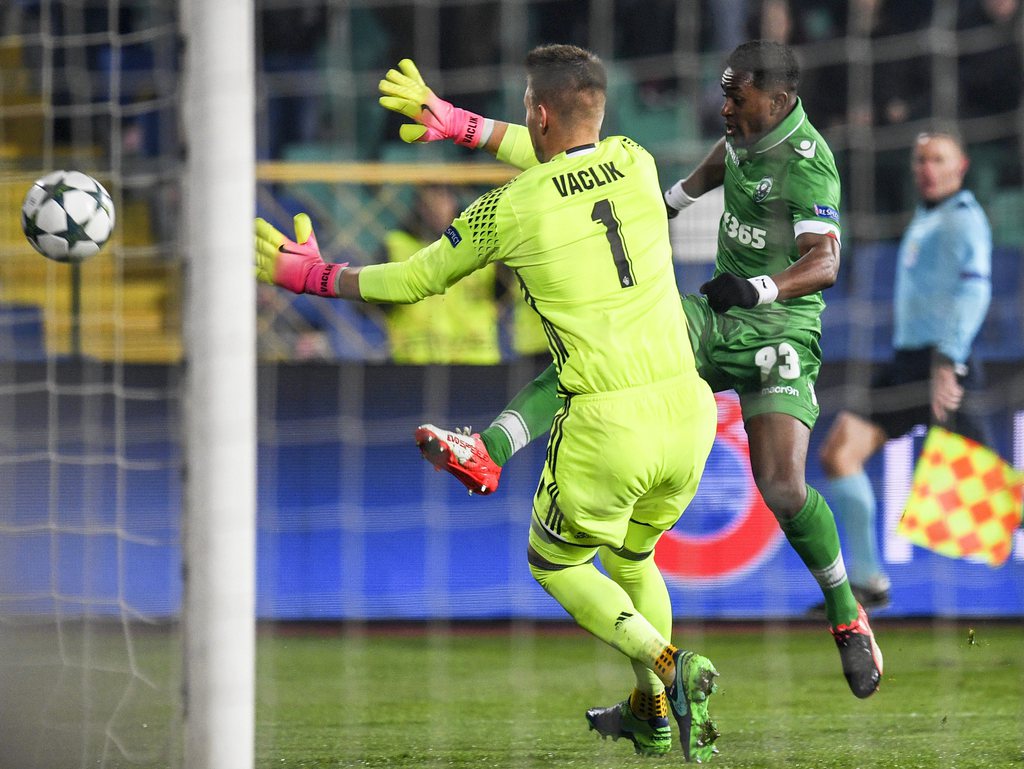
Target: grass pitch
x,y
514,696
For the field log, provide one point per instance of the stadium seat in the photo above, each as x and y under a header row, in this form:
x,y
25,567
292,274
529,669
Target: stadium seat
x,y
21,333
653,126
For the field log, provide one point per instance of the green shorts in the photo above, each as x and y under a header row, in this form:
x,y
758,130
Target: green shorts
x,y
771,363
621,467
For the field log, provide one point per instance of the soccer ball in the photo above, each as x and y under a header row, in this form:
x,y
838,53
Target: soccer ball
x,y
67,216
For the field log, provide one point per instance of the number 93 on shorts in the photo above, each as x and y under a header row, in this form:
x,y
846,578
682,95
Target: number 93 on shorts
x,y
764,355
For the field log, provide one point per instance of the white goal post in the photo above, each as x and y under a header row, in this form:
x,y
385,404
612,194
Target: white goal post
x,y
220,500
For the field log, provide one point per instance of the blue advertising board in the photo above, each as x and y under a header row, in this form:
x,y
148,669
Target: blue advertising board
x,y
414,545
353,524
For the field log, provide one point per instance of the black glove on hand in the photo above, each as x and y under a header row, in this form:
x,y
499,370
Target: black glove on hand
x,y
672,212
728,290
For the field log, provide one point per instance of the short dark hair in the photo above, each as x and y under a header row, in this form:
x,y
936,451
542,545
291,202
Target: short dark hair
x,y
768,63
567,78
944,129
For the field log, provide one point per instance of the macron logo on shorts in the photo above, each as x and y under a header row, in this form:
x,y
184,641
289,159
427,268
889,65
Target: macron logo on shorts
x,y
453,236
780,390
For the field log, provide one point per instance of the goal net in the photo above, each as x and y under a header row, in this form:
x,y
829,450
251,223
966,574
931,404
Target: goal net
x,y
90,492
352,524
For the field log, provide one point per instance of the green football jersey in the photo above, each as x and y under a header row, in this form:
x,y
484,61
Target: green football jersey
x,y
587,235
785,185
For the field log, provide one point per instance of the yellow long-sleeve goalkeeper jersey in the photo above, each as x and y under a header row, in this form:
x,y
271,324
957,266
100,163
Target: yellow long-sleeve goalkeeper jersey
x,y
587,235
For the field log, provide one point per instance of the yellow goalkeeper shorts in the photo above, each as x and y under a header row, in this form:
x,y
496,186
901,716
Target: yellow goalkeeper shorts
x,y
622,462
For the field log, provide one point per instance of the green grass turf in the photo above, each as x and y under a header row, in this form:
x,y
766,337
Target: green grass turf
x,y
448,696
515,697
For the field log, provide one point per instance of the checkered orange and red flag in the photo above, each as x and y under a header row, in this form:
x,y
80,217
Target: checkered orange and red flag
x,y
965,500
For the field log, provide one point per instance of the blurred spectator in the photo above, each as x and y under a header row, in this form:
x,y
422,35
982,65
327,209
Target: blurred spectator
x,y
459,326
991,79
468,34
527,333
300,328
823,91
886,88
722,30
772,21
655,36
564,21
467,38
900,85
722,27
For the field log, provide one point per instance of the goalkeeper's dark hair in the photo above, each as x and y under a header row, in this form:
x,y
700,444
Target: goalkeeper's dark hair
x,y
769,64
569,79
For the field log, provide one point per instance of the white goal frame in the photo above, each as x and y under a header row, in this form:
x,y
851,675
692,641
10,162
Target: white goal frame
x,y
218,120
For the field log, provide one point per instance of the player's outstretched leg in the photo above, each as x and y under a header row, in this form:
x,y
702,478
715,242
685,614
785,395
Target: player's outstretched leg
x,y
476,460
650,736
688,698
461,454
862,659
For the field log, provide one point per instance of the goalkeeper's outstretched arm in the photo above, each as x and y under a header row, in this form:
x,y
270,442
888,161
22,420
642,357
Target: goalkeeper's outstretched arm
x,y
296,265
405,92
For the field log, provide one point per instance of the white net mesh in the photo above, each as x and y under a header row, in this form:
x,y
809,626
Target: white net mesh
x,y
89,522
90,489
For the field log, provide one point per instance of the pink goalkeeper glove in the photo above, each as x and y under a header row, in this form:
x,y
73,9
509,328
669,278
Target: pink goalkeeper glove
x,y
296,266
406,93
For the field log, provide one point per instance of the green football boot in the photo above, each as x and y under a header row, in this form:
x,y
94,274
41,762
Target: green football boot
x,y
650,737
688,698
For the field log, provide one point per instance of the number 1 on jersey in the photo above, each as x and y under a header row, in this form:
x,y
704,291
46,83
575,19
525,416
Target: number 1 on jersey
x,y
604,213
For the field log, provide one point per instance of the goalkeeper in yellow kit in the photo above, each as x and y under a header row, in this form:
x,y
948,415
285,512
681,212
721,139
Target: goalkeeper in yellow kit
x,y
586,232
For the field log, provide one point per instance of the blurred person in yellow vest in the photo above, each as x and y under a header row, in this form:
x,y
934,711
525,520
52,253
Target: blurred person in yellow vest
x,y
459,326
528,337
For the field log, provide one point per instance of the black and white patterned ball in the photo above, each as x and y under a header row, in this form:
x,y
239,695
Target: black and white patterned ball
x,y
67,216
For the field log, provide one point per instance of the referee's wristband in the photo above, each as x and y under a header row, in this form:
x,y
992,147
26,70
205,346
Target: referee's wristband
x,y
767,291
676,197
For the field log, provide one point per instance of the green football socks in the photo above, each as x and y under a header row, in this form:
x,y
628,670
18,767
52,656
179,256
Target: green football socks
x,y
812,533
527,416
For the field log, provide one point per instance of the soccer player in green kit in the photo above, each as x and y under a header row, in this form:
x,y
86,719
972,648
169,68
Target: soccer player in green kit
x,y
585,229
755,329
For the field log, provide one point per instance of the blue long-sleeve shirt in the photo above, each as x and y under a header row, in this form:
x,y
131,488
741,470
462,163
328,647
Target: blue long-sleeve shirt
x,y
944,277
